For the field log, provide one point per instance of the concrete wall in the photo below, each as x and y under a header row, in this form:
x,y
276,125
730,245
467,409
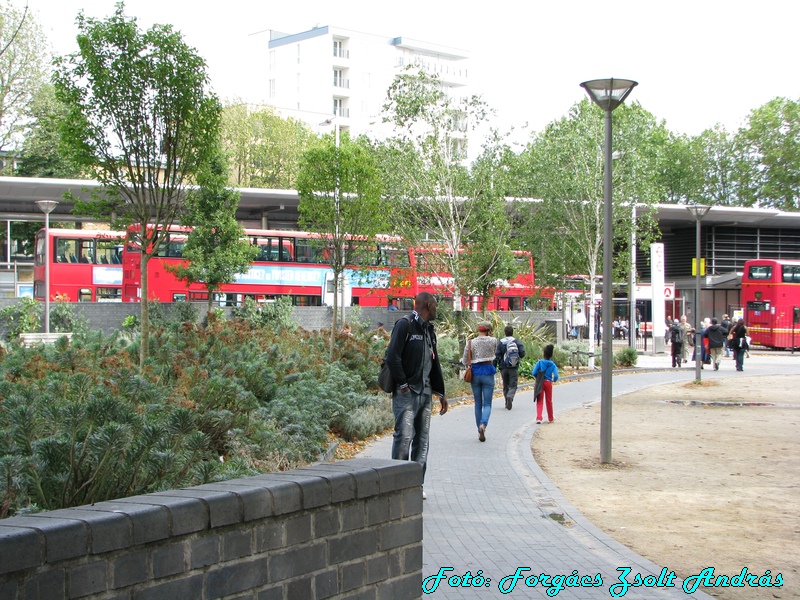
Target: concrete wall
x,y
350,529
108,316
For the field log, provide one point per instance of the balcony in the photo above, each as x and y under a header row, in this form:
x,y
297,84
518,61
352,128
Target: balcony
x,y
341,83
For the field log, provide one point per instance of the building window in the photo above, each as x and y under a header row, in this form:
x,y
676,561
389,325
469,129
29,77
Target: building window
x,y
339,79
338,49
271,88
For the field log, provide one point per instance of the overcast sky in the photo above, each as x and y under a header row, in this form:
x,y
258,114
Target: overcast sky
x,y
697,62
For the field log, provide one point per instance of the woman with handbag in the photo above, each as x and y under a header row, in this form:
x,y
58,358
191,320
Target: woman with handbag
x,y
479,357
548,371
738,343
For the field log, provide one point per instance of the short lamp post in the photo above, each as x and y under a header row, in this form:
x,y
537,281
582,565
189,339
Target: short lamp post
x,y
698,211
46,206
608,94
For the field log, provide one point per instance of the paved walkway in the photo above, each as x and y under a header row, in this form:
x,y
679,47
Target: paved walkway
x,y
491,509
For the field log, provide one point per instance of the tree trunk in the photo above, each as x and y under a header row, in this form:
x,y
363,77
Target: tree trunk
x,y
144,343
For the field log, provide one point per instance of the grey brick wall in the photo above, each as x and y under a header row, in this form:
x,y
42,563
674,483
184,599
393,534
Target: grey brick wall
x,y
108,316
346,529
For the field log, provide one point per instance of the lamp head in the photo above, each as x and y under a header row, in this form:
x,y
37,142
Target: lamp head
x,y
608,94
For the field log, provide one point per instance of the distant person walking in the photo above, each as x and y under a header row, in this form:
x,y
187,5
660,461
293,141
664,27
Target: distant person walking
x,y
550,370
727,325
739,343
715,334
483,350
509,352
676,338
688,339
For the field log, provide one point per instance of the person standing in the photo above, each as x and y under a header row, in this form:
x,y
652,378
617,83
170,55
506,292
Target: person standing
x,y
550,370
676,343
482,349
688,338
413,360
509,352
738,343
715,334
727,324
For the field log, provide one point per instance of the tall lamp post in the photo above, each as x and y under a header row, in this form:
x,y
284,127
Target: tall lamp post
x,y
608,94
699,211
341,290
46,206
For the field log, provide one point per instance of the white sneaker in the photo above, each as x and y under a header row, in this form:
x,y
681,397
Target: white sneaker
x,y
424,496
539,422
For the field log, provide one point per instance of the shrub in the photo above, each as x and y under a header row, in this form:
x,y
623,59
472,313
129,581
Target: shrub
x,y
626,357
22,317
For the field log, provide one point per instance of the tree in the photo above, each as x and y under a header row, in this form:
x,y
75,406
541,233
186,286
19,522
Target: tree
x,y
140,118
563,166
340,197
23,60
443,200
769,156
264,148
216,247
41,154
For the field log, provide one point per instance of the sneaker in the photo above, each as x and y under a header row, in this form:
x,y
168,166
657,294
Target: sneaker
x,y
716,366
424,496
538,421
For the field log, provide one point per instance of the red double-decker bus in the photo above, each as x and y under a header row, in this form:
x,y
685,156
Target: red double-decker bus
x,y
771,301
289,263
292,263
85,265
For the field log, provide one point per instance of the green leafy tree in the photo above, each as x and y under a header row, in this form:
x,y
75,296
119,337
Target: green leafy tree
x,y
769,155
23,60
216,247
41,154
340,197
141,119
563,166
264,148
443,200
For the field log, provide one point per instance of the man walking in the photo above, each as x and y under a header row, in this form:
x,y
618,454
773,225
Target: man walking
x,y
509,352
675,336
413,360
716,335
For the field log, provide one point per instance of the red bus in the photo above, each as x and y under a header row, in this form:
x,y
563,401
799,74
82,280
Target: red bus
x,y
85,265
291,263
771,300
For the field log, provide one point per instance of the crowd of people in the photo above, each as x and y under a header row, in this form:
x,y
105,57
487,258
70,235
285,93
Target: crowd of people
x,y
715,338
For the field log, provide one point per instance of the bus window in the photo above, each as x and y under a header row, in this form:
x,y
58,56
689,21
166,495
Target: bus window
x,y
109,294
759,272
791,274
181,297
287,246
109,252
304,252
85,295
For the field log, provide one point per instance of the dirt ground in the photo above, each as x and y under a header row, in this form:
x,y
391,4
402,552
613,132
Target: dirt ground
x,y
692,485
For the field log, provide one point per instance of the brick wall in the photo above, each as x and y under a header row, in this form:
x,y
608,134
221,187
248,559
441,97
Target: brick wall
x,y
108,316
349,529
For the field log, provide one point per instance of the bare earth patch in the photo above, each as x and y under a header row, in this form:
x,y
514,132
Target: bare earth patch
x,y
692,485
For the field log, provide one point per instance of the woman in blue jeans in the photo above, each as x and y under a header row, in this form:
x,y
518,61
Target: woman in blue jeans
x,y
480,352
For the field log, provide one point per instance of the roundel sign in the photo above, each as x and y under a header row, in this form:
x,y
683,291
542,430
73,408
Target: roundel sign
x,y
669,292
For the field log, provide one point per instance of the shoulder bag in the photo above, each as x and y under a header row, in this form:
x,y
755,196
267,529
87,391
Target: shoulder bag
x,y
468,372
539,385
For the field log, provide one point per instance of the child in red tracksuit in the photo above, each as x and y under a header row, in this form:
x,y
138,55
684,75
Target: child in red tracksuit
x,y
550,377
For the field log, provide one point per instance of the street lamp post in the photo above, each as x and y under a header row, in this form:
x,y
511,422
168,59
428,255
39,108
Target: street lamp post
x,y
46,206
608,94
699,211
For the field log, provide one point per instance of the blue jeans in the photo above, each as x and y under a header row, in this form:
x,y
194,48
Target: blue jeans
x,y
412,424
482,389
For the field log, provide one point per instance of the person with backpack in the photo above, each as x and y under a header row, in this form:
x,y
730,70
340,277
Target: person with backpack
x,y
509,352
676,339
715,335
549,371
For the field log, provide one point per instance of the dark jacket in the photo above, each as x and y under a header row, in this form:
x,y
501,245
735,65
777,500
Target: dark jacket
x,y
500,353
716,335
404,354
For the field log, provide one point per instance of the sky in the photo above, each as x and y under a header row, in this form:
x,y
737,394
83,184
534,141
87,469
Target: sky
x,y
697,62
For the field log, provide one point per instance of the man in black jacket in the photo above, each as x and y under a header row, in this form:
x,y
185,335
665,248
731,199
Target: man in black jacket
x,y
413,359
716,335
508,371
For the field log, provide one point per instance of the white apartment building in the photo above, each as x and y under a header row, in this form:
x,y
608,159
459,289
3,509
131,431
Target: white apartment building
x,y
328,71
